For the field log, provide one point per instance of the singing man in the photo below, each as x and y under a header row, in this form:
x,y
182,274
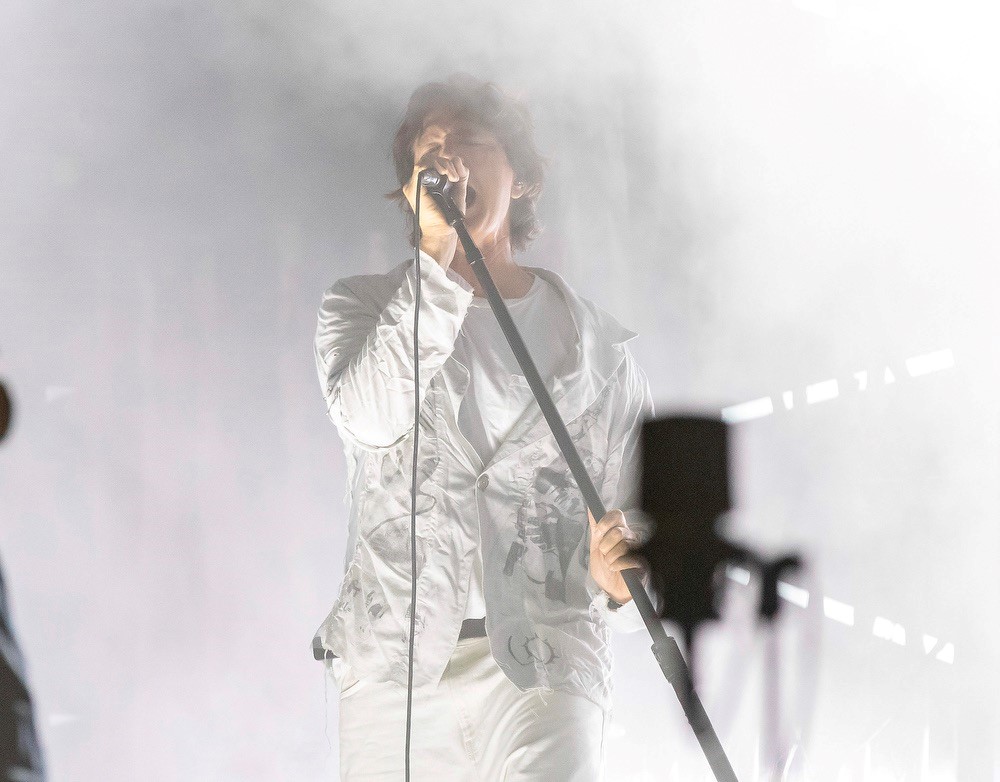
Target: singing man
x,y
517,586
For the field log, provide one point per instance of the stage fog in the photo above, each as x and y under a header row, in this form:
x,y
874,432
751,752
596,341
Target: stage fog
x,y
793,202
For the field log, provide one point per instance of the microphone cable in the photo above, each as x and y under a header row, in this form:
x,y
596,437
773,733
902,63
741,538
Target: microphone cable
x,y
413,481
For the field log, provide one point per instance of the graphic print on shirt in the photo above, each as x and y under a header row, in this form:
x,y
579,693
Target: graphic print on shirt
x,y
350,592
418,625
384,542
382,556
548,532
552,522
531,650
388,537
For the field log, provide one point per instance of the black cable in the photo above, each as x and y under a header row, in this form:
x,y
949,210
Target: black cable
x,y
413,483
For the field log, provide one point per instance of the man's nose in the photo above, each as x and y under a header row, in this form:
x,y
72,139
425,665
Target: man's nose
x,y
444,149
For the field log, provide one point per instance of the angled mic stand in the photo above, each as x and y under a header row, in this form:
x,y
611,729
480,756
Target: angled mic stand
x,y
665,648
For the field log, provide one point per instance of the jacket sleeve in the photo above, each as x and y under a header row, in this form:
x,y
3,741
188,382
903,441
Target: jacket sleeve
x,y
624,441
364,353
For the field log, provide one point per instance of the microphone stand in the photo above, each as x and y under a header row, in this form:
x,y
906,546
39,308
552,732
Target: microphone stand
x,y
665,648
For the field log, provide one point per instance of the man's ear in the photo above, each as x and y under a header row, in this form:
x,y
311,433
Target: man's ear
x,y
520,189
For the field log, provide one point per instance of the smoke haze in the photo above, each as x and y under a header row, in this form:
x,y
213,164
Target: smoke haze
x,y
774,194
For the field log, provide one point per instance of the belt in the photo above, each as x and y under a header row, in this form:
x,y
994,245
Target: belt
x,y
473,628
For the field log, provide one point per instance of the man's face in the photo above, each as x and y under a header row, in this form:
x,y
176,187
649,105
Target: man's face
x,y
491,178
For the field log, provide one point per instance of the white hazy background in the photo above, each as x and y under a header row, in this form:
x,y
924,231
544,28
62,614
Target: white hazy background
x,y
774,193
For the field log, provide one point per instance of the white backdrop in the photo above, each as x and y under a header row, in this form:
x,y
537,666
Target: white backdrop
x,y
775,194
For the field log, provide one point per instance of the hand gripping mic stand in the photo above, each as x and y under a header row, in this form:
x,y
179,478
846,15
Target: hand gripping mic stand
x,y
665,648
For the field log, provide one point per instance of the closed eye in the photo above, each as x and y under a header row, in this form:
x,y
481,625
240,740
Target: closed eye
x,y
474,141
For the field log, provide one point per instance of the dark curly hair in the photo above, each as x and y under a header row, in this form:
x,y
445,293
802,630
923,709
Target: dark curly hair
x,y
504,116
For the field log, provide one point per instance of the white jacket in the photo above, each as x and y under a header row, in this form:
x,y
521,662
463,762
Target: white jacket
x,y
546,618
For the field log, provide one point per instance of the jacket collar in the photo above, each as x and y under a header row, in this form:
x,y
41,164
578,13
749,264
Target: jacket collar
x,y
599,352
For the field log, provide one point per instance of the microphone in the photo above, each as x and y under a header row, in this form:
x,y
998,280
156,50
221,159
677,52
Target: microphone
x,y
433,180
437,186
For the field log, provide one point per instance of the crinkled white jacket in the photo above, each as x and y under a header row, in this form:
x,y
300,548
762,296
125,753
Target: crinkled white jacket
x,y
546,618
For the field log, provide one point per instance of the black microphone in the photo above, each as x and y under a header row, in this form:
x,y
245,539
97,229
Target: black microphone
x,y
433,180
437,186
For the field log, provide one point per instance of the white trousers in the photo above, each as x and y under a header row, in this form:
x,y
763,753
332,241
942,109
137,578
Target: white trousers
x,y
475,726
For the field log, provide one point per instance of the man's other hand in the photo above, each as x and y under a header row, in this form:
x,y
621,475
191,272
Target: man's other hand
x,y
611,544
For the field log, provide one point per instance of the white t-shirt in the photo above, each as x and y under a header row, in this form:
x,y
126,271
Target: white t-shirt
x,y
498,394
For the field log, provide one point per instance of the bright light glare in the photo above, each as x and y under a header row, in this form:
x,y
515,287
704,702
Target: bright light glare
x,y
838,612
889,630
747,411
793,594
930,362
822,391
